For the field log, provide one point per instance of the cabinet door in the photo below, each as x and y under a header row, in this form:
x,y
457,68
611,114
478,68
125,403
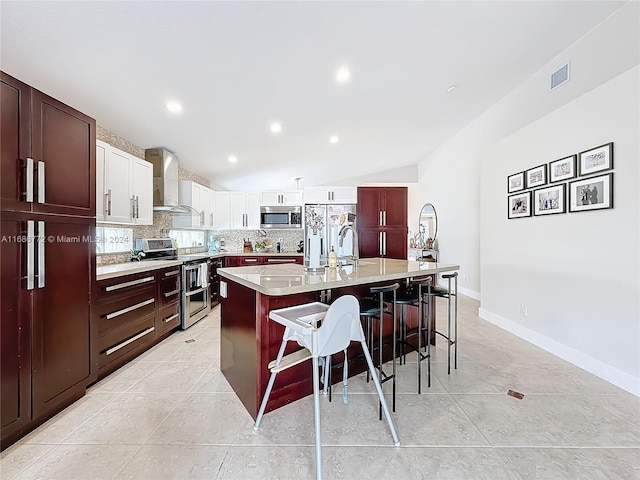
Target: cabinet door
x,y
370,242
15,143
369,212
63,146
346,195
395,243
270,199
15,330
252,209
117,175
222,219
208,200
292,198
61,328
316,195
237,210
142,190
394,206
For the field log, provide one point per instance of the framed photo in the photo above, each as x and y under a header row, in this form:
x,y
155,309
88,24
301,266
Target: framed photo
x,y
515,182
593,193
537,176
596,159
562,169
549,200
519,205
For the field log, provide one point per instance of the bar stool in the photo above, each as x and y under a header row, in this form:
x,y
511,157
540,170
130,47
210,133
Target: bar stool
x,y
340,325
438,291
370,310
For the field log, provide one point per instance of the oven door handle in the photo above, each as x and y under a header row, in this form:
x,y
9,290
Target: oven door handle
x,y
193,292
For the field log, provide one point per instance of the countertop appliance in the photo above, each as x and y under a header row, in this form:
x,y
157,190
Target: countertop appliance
x,y
281,217
333,218
195,289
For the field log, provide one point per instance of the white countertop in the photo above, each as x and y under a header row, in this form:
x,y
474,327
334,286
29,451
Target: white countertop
x,y
120,269
288,279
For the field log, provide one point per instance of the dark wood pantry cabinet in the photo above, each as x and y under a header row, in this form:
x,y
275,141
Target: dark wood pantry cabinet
x,y
382,222
47,226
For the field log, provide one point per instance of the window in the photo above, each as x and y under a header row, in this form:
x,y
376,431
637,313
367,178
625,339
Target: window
x,y
113,239
188,238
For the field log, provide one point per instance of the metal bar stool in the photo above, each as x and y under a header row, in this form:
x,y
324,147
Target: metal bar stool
x,y
371,309
438,291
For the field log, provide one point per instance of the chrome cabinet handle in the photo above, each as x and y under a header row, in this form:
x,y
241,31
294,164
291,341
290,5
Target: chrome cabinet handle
x,y
281,260
380,243
108,195
168,319
40,254
384,243
30,254
29,180
129,309
380,218
127,342
132,204
172,292
172,273
211,219
384,218
202,218
137,206
118,286
247,260
40,181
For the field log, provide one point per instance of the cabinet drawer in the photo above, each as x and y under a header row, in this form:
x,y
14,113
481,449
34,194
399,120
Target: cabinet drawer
x,y
119,342
126,285
276,260
169,291
168,318
251,261
127,309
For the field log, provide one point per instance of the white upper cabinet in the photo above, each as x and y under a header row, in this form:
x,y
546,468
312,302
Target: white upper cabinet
x,y
124,187
337,194
273,199
222,211
202,200
244,210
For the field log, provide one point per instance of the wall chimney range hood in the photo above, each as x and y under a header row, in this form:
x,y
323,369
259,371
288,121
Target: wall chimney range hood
x,y
165,182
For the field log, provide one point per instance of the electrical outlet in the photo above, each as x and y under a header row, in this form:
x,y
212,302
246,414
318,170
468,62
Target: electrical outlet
x,y
523,310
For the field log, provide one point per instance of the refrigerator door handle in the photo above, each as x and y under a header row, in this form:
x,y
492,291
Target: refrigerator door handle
x,y
30,254
41,254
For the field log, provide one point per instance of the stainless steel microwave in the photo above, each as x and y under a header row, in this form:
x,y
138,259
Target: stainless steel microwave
x,y
281,217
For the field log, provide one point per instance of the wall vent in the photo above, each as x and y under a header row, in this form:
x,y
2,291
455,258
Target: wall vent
x,y
559,77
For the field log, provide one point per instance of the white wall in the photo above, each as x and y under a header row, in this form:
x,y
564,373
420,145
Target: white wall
x,y
577,273
450,179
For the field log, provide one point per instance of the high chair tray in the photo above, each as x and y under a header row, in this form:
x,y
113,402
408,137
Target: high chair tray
x,y
307,313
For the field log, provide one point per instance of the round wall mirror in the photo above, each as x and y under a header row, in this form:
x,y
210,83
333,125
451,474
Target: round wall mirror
x,y
428,222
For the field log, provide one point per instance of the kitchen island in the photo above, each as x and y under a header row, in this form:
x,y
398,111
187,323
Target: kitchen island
x,y
249,340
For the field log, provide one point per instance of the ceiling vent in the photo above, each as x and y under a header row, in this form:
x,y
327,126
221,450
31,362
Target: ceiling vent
x,y
559,77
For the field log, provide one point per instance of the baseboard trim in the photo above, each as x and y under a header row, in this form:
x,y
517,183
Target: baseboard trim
x,y
463,291
592,365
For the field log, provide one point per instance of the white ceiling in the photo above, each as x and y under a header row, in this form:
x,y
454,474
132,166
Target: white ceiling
x,y
237,66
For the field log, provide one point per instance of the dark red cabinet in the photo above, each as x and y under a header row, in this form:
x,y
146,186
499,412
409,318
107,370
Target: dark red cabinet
x,y
47,203
382,222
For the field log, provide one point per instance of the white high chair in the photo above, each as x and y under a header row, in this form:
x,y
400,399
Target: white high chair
x,y
340,324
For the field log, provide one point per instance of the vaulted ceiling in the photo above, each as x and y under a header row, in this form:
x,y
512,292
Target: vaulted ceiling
x,y
237,67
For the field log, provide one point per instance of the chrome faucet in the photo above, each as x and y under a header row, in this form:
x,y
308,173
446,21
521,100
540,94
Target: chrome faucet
x,y
356,253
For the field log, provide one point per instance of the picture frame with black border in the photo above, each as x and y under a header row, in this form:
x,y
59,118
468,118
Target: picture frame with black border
x,y
515,182
519,205
550,200
591,193
537,176
596,159
562,169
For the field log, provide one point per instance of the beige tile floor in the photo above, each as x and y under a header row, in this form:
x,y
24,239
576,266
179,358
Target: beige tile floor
x,y
170,414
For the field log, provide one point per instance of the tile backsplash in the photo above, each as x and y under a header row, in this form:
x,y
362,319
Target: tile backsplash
x,y
234,239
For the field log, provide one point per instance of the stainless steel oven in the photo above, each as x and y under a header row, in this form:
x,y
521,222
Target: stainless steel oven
x,y
195,291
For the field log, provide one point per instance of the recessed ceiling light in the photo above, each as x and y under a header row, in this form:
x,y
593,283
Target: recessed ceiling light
x,y
334,139
174,107
343,74
275,127
232,159
451,88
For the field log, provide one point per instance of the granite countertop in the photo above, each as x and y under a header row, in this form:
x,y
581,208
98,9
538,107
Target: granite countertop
x,y
289,279
121,269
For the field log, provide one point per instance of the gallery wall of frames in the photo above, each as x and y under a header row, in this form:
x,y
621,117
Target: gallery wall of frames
x,y
578,183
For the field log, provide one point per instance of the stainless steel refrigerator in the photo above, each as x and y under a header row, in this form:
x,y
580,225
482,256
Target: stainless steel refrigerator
x,y
332,218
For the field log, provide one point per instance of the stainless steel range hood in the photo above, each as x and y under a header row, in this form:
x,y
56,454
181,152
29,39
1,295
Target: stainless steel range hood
x,y
165,182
